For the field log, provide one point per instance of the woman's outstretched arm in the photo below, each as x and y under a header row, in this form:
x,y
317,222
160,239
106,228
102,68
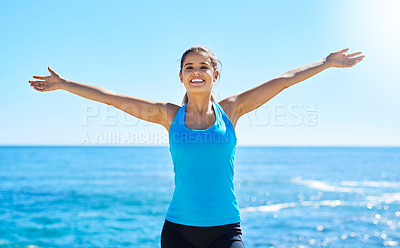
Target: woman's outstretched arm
x,y
153,111
244,102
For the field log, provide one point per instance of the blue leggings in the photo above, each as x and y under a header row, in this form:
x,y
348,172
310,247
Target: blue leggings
x,y
181,236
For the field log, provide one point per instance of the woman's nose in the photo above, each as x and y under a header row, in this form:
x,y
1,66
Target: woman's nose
x,y
196,71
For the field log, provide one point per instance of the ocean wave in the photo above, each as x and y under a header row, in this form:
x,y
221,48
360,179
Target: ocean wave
x,y
269,208
374,184
280,206
321,185
387,198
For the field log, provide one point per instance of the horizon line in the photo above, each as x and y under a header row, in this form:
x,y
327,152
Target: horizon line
x,y
265,145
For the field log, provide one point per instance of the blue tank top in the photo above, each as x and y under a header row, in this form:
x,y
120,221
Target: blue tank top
x,y
203,165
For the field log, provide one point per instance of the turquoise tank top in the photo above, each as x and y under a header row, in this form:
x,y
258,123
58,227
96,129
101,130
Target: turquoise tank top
x,y
203,165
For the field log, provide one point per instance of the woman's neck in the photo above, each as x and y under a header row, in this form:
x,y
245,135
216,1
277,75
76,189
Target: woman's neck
x,y
200,104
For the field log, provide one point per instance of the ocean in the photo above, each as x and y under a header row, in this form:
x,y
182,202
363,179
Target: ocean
x,y
118,196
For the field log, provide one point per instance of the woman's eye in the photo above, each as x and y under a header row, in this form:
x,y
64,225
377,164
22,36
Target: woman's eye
x,y
203,68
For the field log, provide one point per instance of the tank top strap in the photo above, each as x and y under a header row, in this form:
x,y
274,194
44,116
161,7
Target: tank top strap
x,y
181,115
219,109
223,116
218,114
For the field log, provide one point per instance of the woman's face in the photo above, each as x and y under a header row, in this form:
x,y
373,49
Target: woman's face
x,y
197,73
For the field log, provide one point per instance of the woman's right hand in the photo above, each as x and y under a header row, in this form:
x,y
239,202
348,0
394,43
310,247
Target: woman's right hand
x,y
47,83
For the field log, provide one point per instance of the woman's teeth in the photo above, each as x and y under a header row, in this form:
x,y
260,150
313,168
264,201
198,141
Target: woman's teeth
x,y
197,80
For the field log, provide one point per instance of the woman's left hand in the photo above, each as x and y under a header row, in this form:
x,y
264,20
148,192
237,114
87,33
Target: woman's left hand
x,y
339,59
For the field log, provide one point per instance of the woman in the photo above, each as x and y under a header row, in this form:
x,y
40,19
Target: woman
x,y
204,211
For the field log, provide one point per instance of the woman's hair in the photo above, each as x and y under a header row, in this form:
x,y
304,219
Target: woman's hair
x,y
214,63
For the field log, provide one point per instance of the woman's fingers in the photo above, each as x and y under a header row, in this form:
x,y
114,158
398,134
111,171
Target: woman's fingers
x,y
51,70
358,59
36,82
38,85
343,50
352,62
41,77
38,88
46,77
354,54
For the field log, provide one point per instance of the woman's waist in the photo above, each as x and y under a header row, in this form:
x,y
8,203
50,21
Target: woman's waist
x,y
205,197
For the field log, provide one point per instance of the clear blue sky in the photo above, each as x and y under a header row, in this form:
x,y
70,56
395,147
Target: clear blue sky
x,y
133,47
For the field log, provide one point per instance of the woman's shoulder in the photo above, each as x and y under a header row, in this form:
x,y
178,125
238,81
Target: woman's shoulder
x,y
228,106
170,109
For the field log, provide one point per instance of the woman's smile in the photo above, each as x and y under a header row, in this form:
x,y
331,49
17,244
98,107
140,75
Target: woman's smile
x,y
197,80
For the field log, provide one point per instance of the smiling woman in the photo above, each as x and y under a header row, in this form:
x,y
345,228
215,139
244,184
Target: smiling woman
x,y
204,211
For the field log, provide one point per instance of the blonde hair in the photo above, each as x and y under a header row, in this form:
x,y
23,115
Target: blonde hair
x,y
214,63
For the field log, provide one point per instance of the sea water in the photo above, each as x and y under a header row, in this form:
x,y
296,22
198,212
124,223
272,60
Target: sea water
x,y
118,196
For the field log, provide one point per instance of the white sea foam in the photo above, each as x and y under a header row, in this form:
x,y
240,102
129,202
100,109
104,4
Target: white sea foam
x,y
375,184
321,185
390,243
326,203
269,208
387,198
280,206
